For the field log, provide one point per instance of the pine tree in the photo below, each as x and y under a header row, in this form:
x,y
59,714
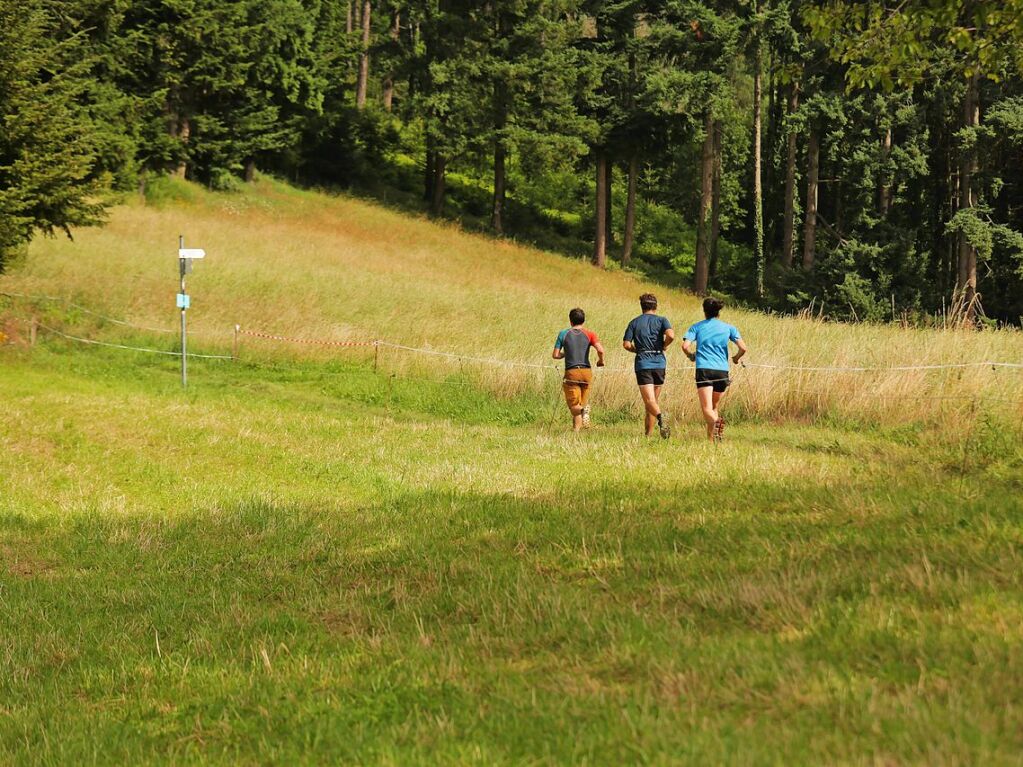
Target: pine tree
x,y
48,158
530,73
897,43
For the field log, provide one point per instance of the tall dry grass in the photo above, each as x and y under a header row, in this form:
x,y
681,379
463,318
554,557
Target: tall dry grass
x,y
312,266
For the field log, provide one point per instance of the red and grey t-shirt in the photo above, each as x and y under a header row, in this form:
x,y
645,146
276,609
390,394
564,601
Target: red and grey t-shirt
x,y
577,343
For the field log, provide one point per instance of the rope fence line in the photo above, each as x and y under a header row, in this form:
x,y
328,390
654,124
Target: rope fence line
x,y
85,310
513,363
994,365
467,358
132,348
892,368
797,368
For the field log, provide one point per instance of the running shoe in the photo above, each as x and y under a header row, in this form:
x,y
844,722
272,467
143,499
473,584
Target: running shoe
x,y
663,427
586,417
719,430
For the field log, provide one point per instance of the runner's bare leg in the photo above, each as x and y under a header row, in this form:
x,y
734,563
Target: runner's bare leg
x,y
717,403
650,393
708,404
577,417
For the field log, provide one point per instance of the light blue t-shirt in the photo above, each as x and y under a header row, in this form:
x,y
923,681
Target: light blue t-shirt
x,y
712,337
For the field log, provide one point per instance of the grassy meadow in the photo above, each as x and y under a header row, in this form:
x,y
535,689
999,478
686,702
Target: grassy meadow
x,y
306,560
300,264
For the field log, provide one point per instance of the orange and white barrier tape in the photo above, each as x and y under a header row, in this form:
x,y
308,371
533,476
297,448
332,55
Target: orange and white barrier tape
x,y
313,341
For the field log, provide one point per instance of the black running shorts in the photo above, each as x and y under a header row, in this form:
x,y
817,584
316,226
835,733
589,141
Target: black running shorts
x,y
655,377
716,378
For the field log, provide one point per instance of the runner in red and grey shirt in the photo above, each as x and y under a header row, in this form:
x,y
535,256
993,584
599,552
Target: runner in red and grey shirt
x,y
573,345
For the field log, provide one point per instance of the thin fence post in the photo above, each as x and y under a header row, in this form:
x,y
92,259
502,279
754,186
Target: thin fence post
x,y
376,356
32,331
234,344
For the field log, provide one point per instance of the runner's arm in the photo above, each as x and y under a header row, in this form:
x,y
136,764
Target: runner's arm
x,y
600,353
742,350
559,346
629,341
689,349
669,337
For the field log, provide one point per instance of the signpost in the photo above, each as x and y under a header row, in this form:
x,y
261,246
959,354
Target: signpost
x,y
185,258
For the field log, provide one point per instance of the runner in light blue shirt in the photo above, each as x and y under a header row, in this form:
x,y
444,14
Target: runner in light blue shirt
x,y
706,344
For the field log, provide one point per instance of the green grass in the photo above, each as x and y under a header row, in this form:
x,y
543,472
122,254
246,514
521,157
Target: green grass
x,y
308,562
303,559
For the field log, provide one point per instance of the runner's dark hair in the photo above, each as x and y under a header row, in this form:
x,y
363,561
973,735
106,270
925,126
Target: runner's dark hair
x,y
577,316
712,307
648,301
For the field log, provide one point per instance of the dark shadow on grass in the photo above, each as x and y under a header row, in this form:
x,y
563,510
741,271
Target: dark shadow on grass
x,y
527,624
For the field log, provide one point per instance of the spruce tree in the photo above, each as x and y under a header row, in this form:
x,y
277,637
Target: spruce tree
x,y
49,177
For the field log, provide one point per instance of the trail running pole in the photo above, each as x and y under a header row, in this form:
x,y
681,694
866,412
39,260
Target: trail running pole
x,y
182,268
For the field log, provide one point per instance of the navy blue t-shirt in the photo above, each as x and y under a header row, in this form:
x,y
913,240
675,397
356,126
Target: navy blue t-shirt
x,y
647,332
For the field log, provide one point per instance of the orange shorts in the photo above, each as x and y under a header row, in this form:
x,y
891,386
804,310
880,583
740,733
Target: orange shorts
x,y
576,385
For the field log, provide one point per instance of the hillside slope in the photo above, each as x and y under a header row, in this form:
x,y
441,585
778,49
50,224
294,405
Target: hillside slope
x,y
305,264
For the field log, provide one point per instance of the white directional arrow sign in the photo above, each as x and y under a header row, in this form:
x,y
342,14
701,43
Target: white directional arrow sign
x,y
191,253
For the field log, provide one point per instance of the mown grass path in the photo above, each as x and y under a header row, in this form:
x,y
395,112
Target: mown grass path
x,y
306,563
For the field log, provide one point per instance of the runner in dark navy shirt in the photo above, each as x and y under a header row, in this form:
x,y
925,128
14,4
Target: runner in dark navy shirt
x,y
647,336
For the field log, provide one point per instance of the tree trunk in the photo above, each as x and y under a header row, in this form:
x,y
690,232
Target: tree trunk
x,y
941,169
500,155
758,181
439,167
250,170
497,215
839,206
413,75
629,228
600,206
967,282
389,80
788,236
630,210
884,190
363,82
609,200
773,120
349,21
715,206
701,274
429,173
183,133
813,153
